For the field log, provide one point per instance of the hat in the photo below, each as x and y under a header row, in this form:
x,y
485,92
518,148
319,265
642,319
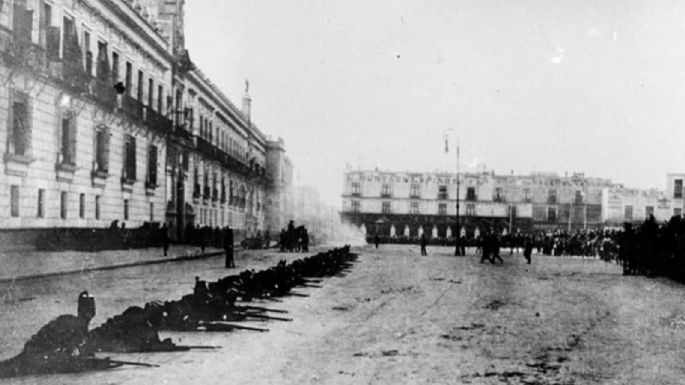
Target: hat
x,y
86,305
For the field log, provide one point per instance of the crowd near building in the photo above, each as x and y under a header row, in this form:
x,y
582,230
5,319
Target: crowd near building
x,y
404,204
107,121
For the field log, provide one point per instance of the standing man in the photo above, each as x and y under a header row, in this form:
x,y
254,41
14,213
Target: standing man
x,y
377,240
462,242
424,242
228,247
528,248
165,238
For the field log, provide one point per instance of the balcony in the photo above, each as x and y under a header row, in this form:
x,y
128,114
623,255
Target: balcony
x,y
414,196
103,93
133,108
141,113
443,196
386,195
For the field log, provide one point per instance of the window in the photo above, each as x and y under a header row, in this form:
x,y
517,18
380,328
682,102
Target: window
x,y
152,166
45,22
442,209
414,208
551,214
196,184
678,189
115,68
14,200
552,196
415,191
385,190
151,93
628,213
129,78
677,211
103,71
526,195
63,204
129,158
49,35
579,197
88,54
152,211
498,196
470,209
97,207
20,135
68,150
442,192
82,206
139,88
385,208
125,209
41,203
470,193
160,98
355,188
649,210
101,150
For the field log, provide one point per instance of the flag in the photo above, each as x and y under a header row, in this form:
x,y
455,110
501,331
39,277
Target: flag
x,y
447,149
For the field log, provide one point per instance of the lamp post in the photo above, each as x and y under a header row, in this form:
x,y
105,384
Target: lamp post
x,y
457,249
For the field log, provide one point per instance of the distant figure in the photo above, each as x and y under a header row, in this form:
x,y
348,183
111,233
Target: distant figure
x,y
305,240
424,242
528,249
203,239
164,234
495,247
377,240
228,248
282,240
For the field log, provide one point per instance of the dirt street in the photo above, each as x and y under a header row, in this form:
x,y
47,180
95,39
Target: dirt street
x,y
398,318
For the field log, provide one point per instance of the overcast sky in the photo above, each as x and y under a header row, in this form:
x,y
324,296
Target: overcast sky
x,y
565,86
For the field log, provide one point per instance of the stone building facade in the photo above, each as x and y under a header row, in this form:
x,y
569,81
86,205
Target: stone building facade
x,y
106,118
401,203
76,154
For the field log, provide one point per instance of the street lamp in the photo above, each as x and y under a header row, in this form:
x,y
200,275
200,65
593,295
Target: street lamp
x,y
457,232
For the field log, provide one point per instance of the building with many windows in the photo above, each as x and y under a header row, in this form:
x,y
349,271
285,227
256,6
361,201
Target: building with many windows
x,y
107,119
401,203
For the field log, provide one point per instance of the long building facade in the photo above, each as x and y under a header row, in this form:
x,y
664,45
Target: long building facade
x,y
409,204
106,119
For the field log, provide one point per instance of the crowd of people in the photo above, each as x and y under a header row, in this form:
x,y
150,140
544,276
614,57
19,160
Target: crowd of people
x,y
649,248
294,239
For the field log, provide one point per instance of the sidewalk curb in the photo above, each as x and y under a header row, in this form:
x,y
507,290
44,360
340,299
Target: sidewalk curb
x,y
113,267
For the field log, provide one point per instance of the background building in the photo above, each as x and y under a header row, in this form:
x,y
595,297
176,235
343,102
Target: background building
x,y
400,203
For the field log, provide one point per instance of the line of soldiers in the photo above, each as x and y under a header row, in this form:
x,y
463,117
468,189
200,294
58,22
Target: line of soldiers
x,y
66,345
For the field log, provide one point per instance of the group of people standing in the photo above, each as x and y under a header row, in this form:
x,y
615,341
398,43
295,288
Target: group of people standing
x,y
294,239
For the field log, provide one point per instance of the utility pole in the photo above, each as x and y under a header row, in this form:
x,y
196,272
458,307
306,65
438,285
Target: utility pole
x,y
457,250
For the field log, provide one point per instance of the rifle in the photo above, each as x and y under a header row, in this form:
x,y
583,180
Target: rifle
x,y
258,296
200,347
266,317
262,309
308,285
220,326
118,362
297,294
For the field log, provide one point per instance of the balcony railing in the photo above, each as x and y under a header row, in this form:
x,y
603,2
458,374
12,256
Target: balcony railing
x,y
138,111
386,195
